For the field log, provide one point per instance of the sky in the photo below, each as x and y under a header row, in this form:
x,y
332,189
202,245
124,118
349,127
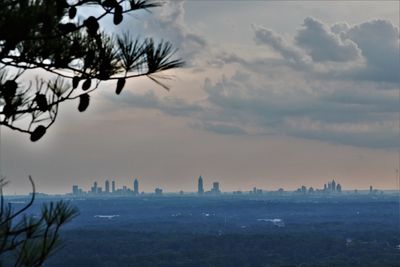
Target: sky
x,y
274,94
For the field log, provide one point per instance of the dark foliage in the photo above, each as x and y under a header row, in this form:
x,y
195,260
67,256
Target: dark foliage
x,y
70,56
52,37
27,240
175,231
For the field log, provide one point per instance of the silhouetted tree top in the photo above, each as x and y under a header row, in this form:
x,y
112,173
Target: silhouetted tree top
x,y
74,54
28,240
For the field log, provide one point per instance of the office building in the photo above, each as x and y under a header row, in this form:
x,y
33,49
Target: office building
x,y
200,188
94,188
158,191
215,188
136,187
75,190
107,186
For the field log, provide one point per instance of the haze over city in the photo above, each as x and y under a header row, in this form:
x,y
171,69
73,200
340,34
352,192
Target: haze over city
x,y
274,94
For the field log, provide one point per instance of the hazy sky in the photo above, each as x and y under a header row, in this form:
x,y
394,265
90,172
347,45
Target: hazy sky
x,y
274,94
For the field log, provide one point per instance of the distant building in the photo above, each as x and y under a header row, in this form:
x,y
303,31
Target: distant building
x,y
215,188
371,189
75,190
94,188
113,186
338,188
99,190
107,186
158,191
136,187
303,189
256,191
200,188
332,187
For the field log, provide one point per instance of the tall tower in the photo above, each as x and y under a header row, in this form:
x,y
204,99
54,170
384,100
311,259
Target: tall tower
x,y
75,190
338,188
136,187
113,186
200,188
107,186
215,188
94,188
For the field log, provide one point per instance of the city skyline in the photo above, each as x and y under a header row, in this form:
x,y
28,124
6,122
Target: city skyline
x,y
332,186
264,99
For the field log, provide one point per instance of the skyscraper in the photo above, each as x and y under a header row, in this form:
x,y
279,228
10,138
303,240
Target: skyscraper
x,y
338,188
107,186
113,186
333,185
200,188
158,191
136,187
94,188
75,189
215,188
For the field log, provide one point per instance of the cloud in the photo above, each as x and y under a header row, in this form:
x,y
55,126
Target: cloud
x,y
323,45
268,37
329,84
220,128
169,23
378,41
349,115
169,105
364,52
165,23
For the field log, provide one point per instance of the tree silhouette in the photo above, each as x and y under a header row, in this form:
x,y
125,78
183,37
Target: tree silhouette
x,y
31,240
70,56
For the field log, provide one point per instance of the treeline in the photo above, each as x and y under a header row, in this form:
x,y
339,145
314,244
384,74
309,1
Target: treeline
x,y
315,247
